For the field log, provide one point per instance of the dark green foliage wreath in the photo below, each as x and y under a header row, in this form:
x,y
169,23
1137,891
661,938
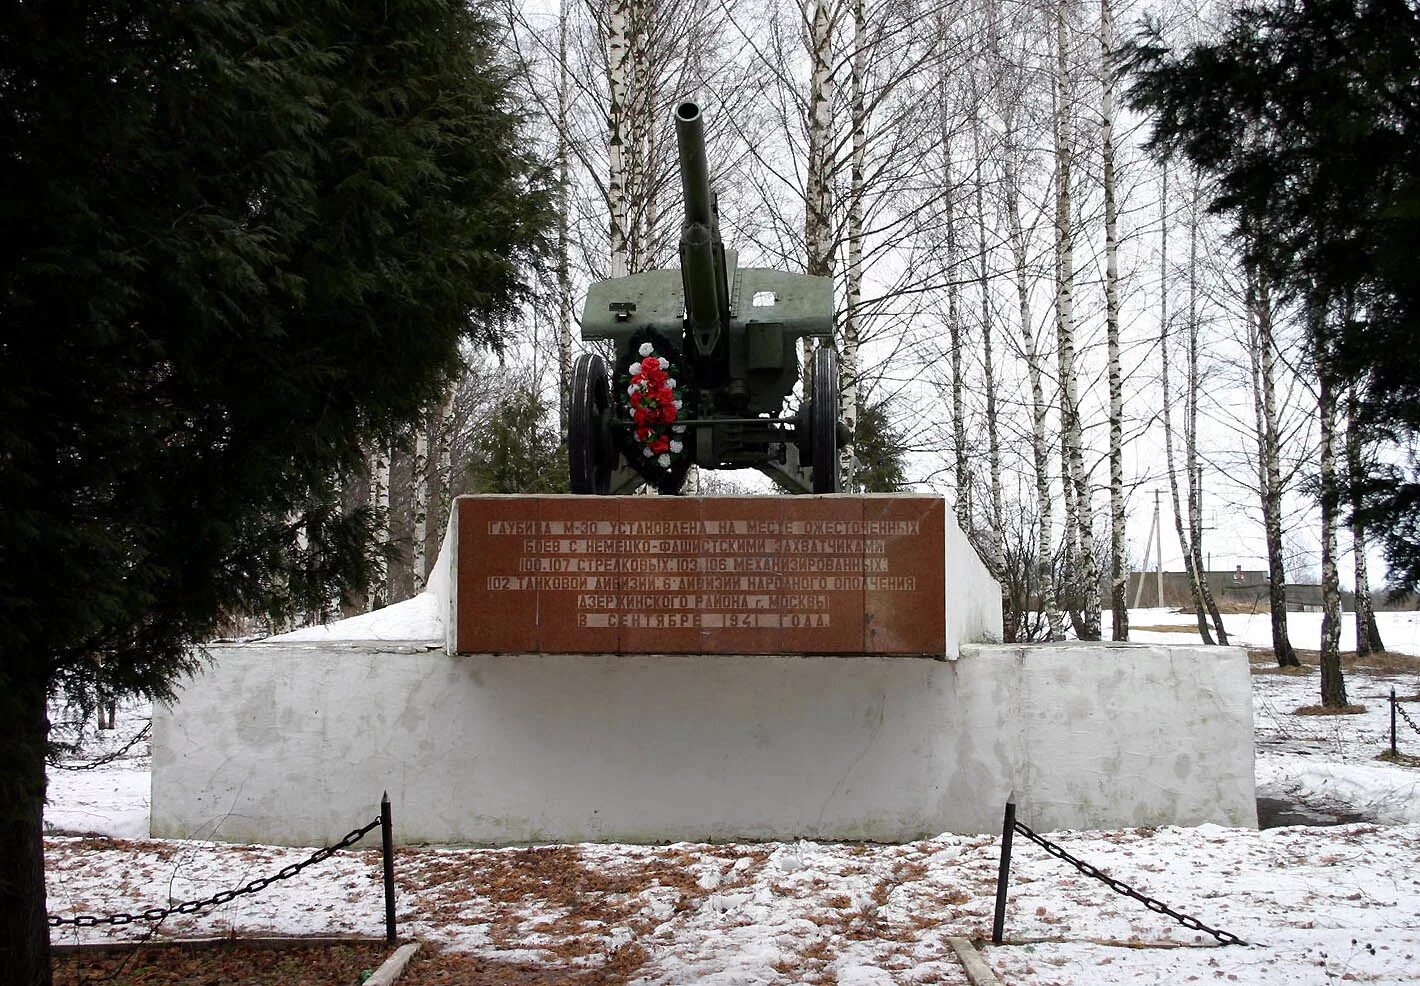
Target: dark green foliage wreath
x,y
665,470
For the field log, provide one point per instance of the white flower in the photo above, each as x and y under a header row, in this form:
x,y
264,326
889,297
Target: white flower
x,y
645,349
662,460
677,405
647,452
633,388
665,363
678,429
670,382
676,446
635,369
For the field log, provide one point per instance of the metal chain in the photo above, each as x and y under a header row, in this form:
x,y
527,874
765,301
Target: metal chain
x,y
1406,716
107,758
221,897
1119,887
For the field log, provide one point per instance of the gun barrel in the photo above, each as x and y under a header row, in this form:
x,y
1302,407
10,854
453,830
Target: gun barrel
x,y
694,168
702,254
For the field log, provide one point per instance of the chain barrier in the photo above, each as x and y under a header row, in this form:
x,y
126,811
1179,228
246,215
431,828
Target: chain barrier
x,y
154,914
1405,715
107,758
1119,887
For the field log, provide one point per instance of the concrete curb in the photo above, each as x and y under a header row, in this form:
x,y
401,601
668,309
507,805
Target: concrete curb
x,y
977,970
393,967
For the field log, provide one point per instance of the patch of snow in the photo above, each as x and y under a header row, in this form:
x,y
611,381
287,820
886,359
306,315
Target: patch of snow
x,y
417,618
112,802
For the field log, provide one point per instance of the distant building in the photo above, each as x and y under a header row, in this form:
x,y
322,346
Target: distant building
x,y
1236,591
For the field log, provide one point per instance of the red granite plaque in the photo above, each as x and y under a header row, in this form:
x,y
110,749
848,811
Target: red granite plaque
x,y
740,585
497,599
574,555
659,607
905,545
836,574
823,563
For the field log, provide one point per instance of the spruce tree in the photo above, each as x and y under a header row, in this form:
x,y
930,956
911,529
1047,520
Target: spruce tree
x,y
1307,112
881,451
241,238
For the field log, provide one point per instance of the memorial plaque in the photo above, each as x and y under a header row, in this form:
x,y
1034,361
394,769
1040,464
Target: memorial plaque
x,y
837,574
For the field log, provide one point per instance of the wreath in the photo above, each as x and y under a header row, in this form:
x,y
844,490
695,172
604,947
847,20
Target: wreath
x,y
651,387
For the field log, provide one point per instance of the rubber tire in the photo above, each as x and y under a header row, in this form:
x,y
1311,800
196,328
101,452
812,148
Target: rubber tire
x,y
823,422
588,453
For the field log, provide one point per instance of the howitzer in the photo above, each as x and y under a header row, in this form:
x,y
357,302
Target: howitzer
x,y
705,358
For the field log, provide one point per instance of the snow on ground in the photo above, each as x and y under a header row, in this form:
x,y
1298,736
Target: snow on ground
x,y
1400,631
1324,904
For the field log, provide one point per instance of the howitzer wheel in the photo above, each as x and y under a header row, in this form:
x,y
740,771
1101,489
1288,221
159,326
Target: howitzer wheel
x,y
589,451
823,421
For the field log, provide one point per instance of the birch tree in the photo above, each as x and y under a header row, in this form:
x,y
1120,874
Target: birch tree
x,y
996,519
1368,635
818,240
564,245
1081,571
1119,607
1259,311
1333,684
1040,443
619,61
1165,374
1193,470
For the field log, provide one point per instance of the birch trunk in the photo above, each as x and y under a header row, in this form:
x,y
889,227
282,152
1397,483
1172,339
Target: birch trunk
x,y
1040,453
436,481
1164,376
1333,685
1081,570
355,496
619,62
419,504
1368,635
380,500
637,130
1191,463
997,559
400,571
1119,606
954,327
1269,472
564,205
818,245
848,342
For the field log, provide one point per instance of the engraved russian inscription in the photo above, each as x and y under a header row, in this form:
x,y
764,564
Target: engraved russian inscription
x,y
708,582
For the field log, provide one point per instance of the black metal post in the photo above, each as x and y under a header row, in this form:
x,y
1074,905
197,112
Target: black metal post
x,y
387,846
1393,750
1003,876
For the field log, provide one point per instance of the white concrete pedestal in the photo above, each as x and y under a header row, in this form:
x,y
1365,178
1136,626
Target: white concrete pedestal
x,y
293,744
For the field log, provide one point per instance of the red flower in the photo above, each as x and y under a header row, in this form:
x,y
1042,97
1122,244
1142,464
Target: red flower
x,y
661,444
642,434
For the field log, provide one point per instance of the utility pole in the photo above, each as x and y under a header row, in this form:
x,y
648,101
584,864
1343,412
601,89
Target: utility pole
x,y
1159,549
1154,544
